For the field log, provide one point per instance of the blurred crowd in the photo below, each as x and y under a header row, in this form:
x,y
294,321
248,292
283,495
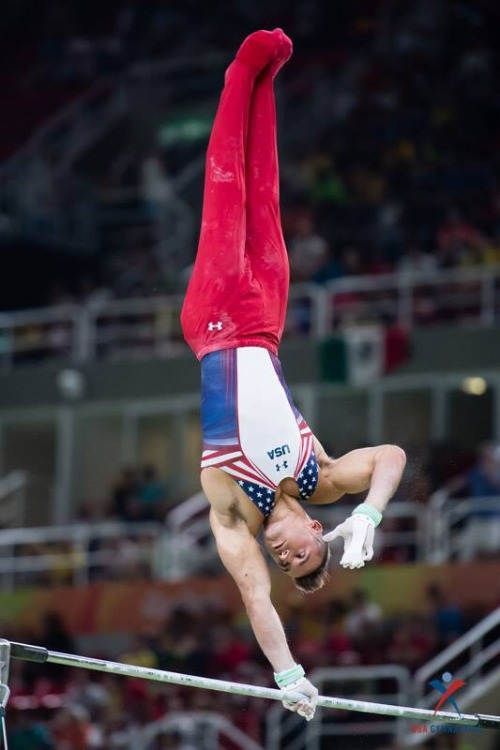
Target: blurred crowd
x,y
56,707
123,541
140,495
396,174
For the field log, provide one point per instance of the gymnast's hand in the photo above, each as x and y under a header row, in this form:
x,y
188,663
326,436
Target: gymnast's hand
x,y
293,680
306,707
358,532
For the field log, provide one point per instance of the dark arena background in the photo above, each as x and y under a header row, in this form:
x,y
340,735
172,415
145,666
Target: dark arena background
x,y
389,143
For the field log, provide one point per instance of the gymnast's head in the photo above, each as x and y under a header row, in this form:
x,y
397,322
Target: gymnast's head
x,y
297,547
315,579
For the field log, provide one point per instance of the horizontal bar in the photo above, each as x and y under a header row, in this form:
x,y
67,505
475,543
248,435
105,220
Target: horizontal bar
x,y
4,677
42,655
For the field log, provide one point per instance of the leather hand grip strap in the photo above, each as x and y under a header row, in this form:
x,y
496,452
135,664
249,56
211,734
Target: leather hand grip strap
x,y
368,511
289,676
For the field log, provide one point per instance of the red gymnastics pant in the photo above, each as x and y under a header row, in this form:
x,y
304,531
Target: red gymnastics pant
x,y
238,291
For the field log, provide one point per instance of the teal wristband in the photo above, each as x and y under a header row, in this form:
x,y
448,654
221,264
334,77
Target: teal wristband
x,y
285,678
369,511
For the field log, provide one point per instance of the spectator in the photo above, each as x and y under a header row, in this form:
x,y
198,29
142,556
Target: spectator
x,y
127,558
446,617
338,649
229,651
415,261
71,728
349,305
351,260
328,188
413,643
156,190
125,494
140,654
446,461
151,496
308,250
482,481
89,690
38,198
92,293
26,732
330,270
55,636
458,242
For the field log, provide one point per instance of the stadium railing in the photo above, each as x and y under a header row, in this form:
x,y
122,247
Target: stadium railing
x,y
13,492
83,552
73,128
48,334
79,553
413,299
151,327
462,528
200,729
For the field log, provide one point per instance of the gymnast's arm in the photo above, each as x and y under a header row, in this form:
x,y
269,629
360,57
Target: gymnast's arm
x,y
243,559
378,469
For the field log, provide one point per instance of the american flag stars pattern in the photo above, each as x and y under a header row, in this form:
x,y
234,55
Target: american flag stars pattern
x,y
262,497
308,477
265,498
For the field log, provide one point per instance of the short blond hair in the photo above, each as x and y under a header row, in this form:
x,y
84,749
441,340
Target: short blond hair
x,y
315,580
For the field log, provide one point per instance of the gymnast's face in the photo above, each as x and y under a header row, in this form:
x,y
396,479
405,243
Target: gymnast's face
x,y
296,545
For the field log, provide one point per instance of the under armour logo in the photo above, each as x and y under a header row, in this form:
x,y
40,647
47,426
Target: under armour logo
x,y
215,326
284,465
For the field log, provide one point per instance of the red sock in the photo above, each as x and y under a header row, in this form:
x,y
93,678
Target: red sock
x,y
262,48
284,54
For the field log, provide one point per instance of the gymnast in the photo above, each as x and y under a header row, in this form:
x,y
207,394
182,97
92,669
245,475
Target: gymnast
x,y
260,460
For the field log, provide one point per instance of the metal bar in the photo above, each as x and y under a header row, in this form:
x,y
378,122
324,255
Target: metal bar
x,y
4,688
4,729
42,655
4,666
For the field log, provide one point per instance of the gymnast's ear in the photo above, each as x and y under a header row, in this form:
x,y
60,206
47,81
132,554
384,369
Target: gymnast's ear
x,y
315,526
